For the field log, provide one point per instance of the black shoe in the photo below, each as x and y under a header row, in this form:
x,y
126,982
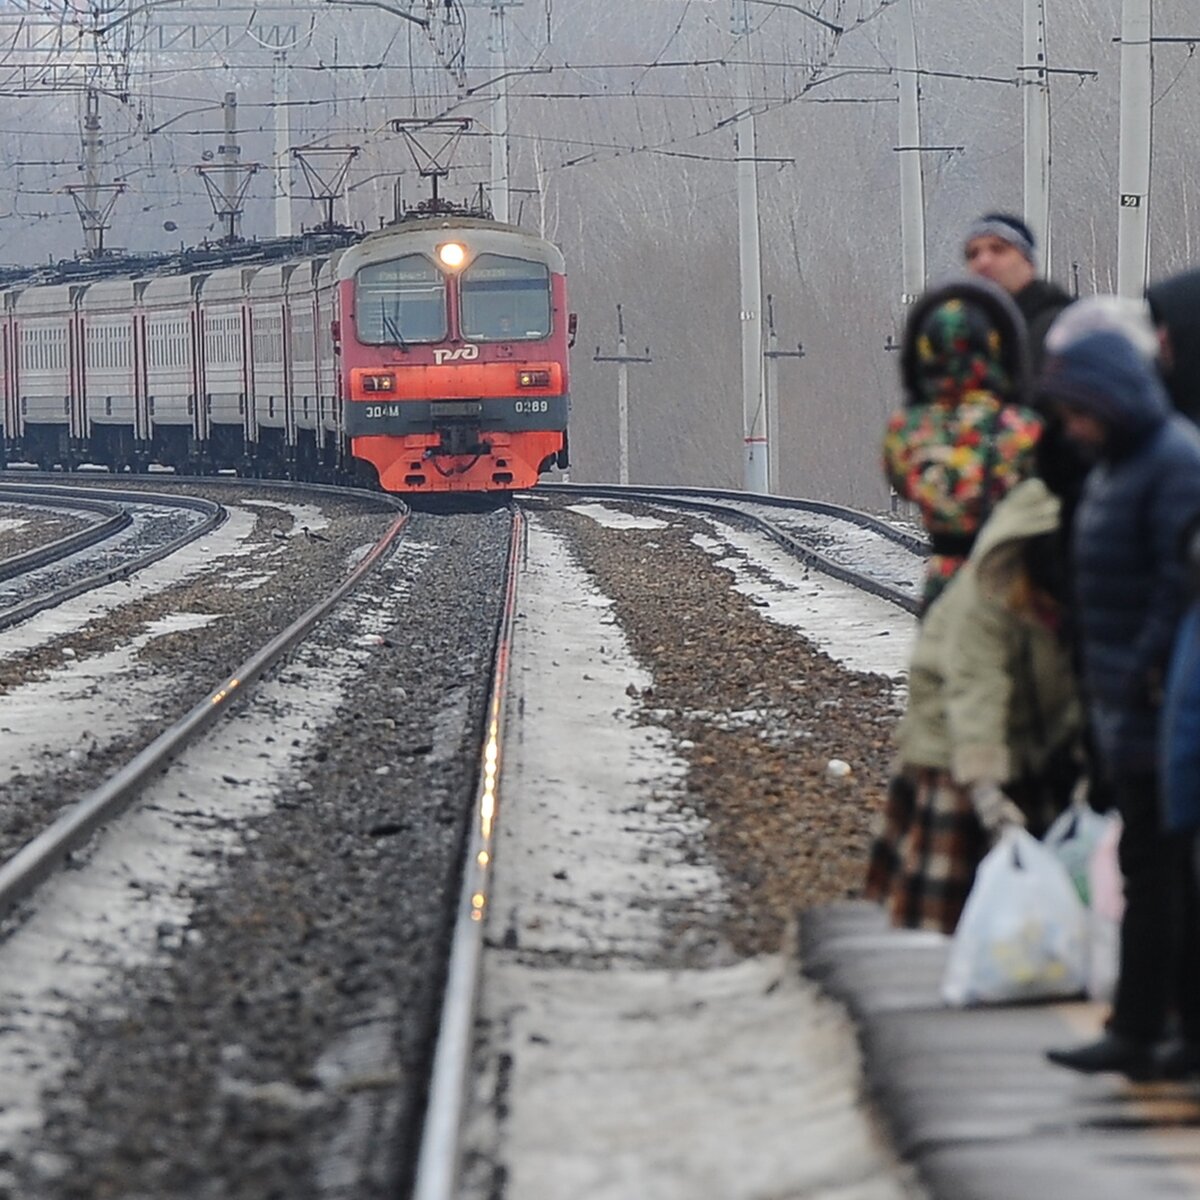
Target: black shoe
x,y
1109,1053
1177,1060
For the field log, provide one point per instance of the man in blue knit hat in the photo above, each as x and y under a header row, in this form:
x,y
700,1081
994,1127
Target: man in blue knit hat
x,y
1001,247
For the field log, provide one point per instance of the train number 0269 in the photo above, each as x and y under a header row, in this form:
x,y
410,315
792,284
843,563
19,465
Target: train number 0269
x,y
531,406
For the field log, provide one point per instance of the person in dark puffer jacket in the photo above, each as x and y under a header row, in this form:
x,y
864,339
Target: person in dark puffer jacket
x,y
1130,592
1175,308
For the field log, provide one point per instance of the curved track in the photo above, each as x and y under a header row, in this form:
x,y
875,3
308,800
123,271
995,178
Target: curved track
x,y
737,506
65,579
40,856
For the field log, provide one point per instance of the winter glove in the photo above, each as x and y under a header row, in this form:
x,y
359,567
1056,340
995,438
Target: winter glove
x,y
994,809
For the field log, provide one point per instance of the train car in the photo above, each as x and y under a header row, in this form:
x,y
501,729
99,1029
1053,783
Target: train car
x,y
430,356
452,338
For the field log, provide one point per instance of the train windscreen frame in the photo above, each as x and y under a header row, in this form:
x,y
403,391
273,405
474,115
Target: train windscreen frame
x,y
505,299
400,301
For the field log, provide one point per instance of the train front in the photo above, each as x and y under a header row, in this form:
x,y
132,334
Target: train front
x,y
453,337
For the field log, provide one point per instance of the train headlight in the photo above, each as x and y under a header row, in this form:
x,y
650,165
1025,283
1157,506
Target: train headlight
x,y
533,379
378,383
452,255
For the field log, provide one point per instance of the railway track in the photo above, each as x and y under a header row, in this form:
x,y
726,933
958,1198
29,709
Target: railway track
x,y
40,856
824,548
394,738
160,525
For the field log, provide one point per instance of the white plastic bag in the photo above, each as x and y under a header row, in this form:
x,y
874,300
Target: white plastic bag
x,y
1107,890
1073,837
1023,933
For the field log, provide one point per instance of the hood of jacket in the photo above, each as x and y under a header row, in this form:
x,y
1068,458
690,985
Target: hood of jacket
x,y
1002,314
1103,374
1175,303
1028,511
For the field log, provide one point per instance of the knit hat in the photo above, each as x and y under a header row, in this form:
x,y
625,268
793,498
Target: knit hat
x,y
1008,229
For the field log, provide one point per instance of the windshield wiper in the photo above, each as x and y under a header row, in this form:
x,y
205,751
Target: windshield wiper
x,y
391,328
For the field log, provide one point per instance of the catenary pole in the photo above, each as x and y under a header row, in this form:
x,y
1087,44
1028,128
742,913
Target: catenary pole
x,y
1035,84
754,414
230,158
499,173
498,44
774,402
912,183
1133,217
622,358
281,176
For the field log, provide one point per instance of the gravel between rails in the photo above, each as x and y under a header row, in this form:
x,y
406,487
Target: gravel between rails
x,y
279,1049
25,527
181,666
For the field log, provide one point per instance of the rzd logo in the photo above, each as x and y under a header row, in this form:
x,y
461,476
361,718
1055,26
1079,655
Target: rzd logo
x,y
463,352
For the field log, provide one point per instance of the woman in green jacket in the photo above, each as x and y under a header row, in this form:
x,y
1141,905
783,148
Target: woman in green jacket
x,y
992,710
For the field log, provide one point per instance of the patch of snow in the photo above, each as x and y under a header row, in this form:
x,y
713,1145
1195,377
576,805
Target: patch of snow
x,y
861,631
614,518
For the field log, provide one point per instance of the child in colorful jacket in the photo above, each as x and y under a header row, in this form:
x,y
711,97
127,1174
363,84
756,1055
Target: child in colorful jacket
x,y
964,438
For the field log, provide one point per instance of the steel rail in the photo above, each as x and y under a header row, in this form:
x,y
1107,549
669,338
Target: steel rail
x,y
720,504
439,1154
116,519
853,516
39,857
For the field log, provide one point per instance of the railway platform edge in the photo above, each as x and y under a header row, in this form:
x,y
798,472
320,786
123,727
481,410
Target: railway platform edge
x,y
968,1095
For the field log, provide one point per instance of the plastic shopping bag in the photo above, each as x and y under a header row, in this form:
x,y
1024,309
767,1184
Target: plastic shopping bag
x,y
1023,931
1073,837
1107,891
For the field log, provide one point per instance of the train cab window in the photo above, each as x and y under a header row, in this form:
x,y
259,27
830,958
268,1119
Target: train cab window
x,y
505,299
400,301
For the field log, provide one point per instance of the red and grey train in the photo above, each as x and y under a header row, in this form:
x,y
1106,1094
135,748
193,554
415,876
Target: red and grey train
x,y
431,355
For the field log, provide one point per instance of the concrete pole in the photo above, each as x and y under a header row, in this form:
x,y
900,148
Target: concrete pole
x,y
912,182
622,358
282,175
230,151
772,394
774,404
754,415
1035,83
1133,217
499,139
92,144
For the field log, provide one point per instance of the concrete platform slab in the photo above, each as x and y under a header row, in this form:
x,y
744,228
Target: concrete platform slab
x,y
967,1093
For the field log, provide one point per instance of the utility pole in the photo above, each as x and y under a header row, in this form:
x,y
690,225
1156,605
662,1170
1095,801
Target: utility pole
x,y
498,44
774,408
230,155
282,175
912,182
754,414
622,358
92,214
1035,83
1133,216
226,197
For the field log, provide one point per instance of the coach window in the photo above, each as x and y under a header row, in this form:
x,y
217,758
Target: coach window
x,y
505,300
400,301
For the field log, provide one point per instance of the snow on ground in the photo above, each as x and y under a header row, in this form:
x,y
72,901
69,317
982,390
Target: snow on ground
x,y
861,631
626,1079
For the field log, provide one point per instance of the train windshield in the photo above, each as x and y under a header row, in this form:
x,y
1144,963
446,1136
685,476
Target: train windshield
x,y
505,299
400,301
